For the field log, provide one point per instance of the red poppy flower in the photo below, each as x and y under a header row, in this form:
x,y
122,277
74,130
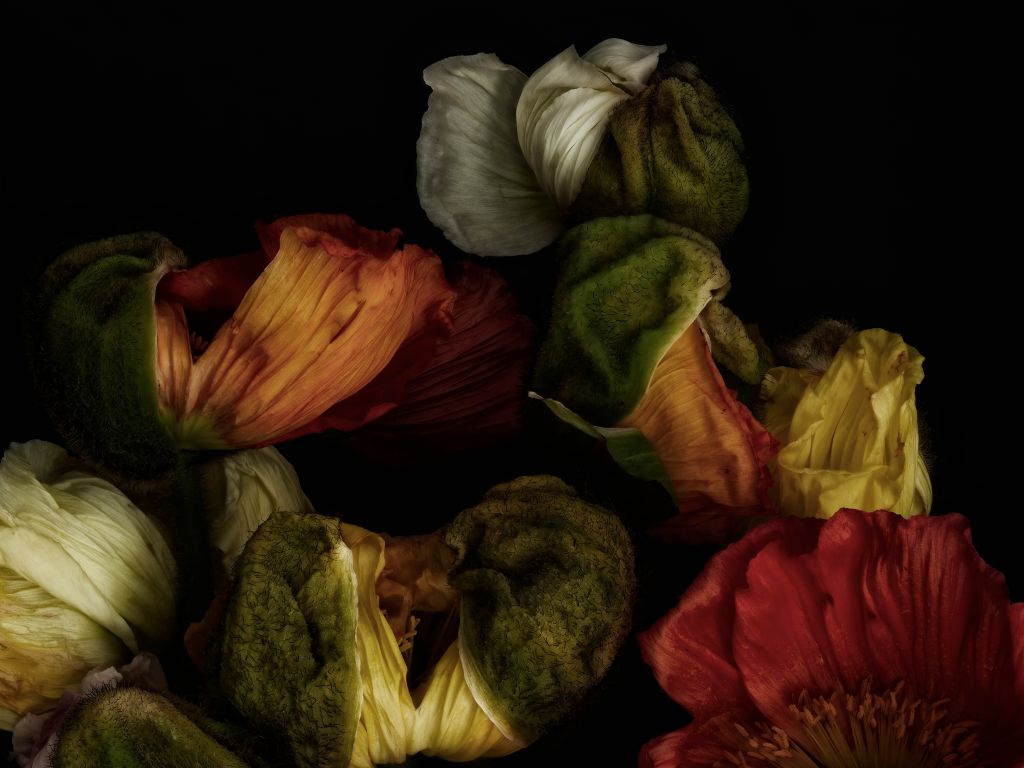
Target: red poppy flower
x,y
863,640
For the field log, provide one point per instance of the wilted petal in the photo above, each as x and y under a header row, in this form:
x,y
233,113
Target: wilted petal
x,y
81,539
850,438
449,722
714,450
561,119
322,321
45,646
627,64
472,178
242,490
472,393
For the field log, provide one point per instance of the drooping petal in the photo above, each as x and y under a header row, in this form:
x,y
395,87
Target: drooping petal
x,y
690,649
471,176
711,446
387,714
850,438
705,744
322,321
561,119
883,599
627,64
473,391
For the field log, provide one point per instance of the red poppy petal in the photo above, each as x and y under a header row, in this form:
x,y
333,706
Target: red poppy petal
x,y
336,226
699,745
215,286
1017,632
472,391
883,598
691,648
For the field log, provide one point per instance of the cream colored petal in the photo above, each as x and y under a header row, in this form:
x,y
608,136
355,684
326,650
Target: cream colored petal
x,y
250,486
45,647
472,178
627,64
561,119
81,539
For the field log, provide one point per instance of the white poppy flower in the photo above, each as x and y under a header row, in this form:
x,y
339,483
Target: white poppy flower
x,y
501,156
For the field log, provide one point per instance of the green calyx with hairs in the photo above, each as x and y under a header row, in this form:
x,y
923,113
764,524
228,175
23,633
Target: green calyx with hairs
x,y
288,653
92,336
547,585
629,287
131,728
672,151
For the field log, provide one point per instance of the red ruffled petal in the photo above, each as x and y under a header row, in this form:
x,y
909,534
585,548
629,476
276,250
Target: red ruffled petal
x,y
216,286
691,648
335,226
472,392
699,745
878,598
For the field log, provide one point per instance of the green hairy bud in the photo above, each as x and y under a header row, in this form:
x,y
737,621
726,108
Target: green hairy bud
x,y
93,345
630,285
289,660
547,588
672,151
133,728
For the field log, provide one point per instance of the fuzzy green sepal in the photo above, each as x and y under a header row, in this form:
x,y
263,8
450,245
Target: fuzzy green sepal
x,y
672,151
628,289
93,348
133,728
547,586
288,655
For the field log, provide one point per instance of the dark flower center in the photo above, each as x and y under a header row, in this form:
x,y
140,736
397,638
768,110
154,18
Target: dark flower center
x,y
892,729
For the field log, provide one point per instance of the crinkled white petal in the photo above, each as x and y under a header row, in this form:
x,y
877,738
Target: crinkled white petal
x,y
561,119
472,179
84,542
627,64
257,483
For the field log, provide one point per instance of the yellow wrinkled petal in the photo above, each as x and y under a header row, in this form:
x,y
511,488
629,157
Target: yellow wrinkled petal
x,y
850,438
446,722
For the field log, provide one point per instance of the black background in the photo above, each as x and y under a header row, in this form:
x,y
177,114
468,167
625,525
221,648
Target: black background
x,y
197,126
